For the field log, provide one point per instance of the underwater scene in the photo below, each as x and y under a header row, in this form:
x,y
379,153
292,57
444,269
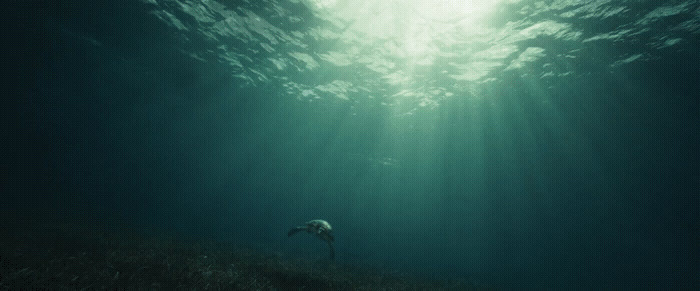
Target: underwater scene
x,y
351,145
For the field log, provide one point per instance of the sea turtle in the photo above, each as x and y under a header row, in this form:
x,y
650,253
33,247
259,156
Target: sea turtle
x,y
321,228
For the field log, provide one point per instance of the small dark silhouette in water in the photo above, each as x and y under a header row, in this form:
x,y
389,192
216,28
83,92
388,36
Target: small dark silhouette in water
x,y
321,228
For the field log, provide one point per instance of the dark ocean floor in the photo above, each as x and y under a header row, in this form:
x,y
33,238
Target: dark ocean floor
x,y
67,258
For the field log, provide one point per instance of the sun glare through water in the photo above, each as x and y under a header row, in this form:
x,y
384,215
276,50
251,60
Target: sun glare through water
x,y
415,27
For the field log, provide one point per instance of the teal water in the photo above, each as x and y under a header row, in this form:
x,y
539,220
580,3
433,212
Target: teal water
x,y
515,143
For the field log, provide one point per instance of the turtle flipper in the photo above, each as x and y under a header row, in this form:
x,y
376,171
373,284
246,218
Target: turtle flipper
x,y
295,230
330,244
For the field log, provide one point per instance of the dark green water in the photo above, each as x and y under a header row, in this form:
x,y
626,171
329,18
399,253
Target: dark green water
x,y
523,144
